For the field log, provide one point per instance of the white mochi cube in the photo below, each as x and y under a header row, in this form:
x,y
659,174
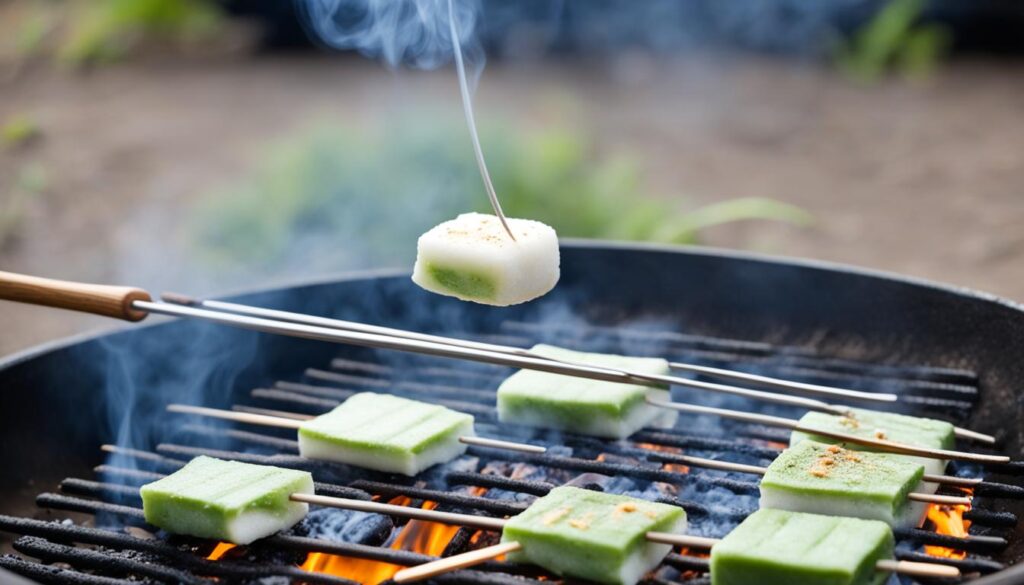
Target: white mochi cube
x,y
472,258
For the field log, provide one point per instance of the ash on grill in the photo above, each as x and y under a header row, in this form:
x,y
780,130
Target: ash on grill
x,y
111,543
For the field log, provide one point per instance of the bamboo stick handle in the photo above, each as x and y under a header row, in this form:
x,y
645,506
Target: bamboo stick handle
x,y
98,299
449,564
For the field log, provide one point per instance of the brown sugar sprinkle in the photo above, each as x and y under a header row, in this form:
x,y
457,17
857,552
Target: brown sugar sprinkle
x,y
849,422
819,472
833,448
879,434
554,516
826,461
581,523
624,508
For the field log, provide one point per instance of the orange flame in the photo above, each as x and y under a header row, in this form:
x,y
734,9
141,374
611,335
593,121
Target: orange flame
x,y
220,550
417,536
676,467
948,520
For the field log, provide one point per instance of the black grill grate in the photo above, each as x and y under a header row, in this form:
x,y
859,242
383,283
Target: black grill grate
x,y
493,483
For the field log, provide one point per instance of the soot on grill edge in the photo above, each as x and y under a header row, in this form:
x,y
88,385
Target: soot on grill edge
x,y
333,546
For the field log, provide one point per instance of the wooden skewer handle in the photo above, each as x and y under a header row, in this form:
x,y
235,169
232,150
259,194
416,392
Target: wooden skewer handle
x,y
449,564
99,299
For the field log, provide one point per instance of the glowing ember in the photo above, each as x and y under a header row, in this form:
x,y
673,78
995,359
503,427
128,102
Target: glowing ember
x,y
220,550
948,520
423,537
676,467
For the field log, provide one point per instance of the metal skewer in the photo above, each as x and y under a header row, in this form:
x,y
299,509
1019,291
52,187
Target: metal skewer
x,y
518,351
344,325
794,425
443,350
134,304
291,423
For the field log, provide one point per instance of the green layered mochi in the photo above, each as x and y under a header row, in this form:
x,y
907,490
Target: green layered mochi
x,y
911,430
828,479
776,547
386,433
591,535
579,405
226,500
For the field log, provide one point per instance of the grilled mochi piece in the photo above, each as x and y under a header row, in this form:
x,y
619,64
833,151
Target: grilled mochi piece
x,y
472,258
591,535
226,500
911,430
776,547
386,433
580,405
827,479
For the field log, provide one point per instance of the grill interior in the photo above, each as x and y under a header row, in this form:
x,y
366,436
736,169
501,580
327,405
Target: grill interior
x,y
95,549
90,530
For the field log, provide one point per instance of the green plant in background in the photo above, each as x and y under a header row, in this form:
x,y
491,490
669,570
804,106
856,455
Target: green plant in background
x,y
893,39
18,130
335,198
106,30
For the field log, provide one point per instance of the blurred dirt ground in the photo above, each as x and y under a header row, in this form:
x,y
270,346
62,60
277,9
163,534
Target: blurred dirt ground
x,y
922,179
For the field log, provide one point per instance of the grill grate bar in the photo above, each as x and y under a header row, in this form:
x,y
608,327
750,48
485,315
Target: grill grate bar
x,y
180,558
50,574
51,552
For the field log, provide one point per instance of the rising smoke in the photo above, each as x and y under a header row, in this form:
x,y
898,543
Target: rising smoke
x,y
414,33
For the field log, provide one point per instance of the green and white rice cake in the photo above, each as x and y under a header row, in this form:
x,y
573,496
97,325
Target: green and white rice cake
x,y
870,424
591,535
825,479
386,433
226,500
472,258
579,405
777,547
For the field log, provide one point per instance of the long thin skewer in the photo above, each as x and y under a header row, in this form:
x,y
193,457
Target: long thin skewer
x,y
289,423
516,351
467,108
497,348
476,557
794,425
442,350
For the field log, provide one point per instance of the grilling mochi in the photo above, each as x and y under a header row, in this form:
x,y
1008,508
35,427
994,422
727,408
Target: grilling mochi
x,y
870,424
592,535
473,258
830,480
777,547
226,500
580,405
386,433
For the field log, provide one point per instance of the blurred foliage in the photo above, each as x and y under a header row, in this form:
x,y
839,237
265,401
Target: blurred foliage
x,y
893,39
336,198
79,32
30,181
18,130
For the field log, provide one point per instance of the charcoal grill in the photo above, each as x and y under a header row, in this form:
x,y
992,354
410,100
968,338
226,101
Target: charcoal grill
x,y
71,512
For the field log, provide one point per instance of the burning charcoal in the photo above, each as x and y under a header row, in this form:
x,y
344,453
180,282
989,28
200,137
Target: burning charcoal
x,y
472,258
591,535
911,430
347,526
581,405
386,433
226,500
774,547
827,479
